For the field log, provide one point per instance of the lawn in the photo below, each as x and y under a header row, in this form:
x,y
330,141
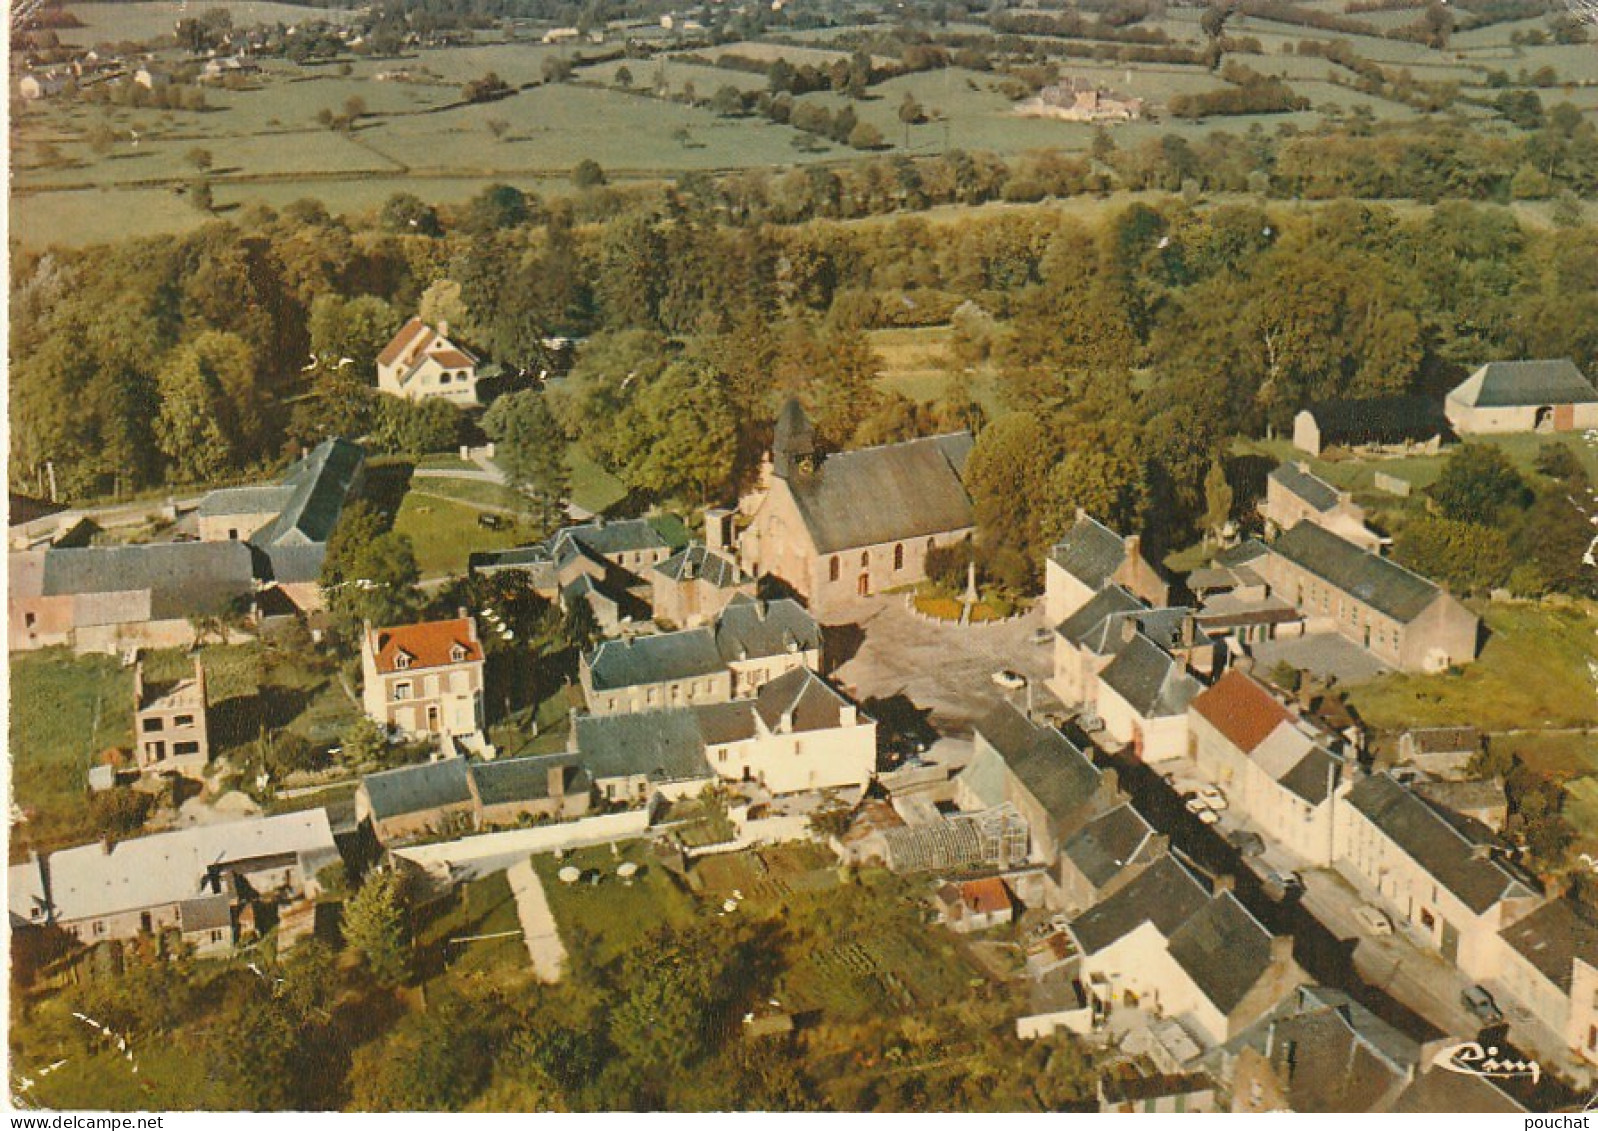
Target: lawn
x,y
475,492
482,907
613,916
1555,645
64,711
593,489
444,532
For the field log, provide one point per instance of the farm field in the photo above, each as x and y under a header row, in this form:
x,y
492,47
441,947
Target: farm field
x,y
418,136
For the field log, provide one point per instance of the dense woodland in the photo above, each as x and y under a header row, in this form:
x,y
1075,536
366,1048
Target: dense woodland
x,y
1133,346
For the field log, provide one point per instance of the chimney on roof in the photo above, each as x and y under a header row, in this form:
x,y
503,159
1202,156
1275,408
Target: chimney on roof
x,y
760,610
1081,515
1160,844
557,781
1109,784
1128,629
688,570
1189,632
1133,543
105,846
1303,465
785,724
847,715
1281,949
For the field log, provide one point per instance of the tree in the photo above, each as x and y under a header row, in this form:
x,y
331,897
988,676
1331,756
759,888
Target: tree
x,y
1007,475
199,158
497,206
624,78
1478,484
433,1061
407,214
383,586
362,744
1217,499
556,68
680,434
865,136
415,428
118,813
497,127
528,444
375,925
348,334
210,406
587,174
201,196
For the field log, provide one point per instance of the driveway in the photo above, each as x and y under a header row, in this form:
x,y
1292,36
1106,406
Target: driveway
x,y
943,668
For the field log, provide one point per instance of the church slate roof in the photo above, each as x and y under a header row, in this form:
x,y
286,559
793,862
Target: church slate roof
x,y
891,493
1525,384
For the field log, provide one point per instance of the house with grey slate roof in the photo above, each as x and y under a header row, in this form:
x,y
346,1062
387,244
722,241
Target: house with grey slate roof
x,y
847,524
1089,639
695,584
797,733
1294,494
1445,875
1142,699
1394,613
1171,944
605,562
1550,968
456,793
1050,781
750,643
1106,854
1090,557
1523,396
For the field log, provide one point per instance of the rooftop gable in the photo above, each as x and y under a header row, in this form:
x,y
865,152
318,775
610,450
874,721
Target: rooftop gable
x,y
1090,552
1049,765
1154,683
1304,484
1165,894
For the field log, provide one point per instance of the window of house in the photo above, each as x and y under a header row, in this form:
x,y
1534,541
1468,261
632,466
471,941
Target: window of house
x,y
721,756
898,557
832,568
181,748
29,619
183,721
1427,919
152,725
99,927
402,690
457,653
649,696
865,558
402,661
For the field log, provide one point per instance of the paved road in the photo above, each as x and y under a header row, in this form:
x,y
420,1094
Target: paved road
x,y
944,669
544,947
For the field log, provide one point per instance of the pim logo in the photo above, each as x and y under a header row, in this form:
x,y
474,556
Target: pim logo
x,y
1468,1058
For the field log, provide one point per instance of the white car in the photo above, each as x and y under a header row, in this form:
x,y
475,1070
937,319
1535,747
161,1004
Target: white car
x,y
1373,919
1208,817
1213,797
1009,680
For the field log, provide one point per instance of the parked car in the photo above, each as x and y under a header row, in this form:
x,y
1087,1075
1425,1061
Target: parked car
x,y
1247,843
490,521
1373,919
1208,817
1214,798
1195,804
1009,680
1042,636
1482,1005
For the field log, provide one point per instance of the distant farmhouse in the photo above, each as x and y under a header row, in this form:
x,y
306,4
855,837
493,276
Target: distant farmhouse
x,y
1523,396
110,598
421,362
847,524
1081,100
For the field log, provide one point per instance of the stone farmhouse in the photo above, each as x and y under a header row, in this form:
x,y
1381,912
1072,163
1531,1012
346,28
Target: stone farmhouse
x,y
170,735
848,524
1398,616
750,643
1523,396
420,363
425,680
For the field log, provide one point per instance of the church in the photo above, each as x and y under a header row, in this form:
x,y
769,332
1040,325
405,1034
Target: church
x,y
842,525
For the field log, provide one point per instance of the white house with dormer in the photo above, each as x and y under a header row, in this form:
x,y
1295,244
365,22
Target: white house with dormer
x,y
421,362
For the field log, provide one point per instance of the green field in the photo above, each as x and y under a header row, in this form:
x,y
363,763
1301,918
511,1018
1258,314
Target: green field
x,y
1557,642
612,917
593,488
444,532
417,136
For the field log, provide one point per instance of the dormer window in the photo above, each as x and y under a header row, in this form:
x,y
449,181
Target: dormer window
x,y
457,653
402,660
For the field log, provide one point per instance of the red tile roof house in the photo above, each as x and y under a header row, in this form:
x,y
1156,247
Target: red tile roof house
x,y
423,680
421,362
975,905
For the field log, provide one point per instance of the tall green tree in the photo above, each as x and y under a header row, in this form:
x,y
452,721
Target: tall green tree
x,y
529,445
376,926
679,435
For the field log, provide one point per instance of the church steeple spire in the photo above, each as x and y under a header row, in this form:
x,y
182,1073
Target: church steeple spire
x,y
793,444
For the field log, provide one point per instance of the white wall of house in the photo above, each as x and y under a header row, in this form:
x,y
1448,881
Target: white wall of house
x,y
713,688
1282,815
1473,420
794,762
418,702
1139,963
1062,593
1158,740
